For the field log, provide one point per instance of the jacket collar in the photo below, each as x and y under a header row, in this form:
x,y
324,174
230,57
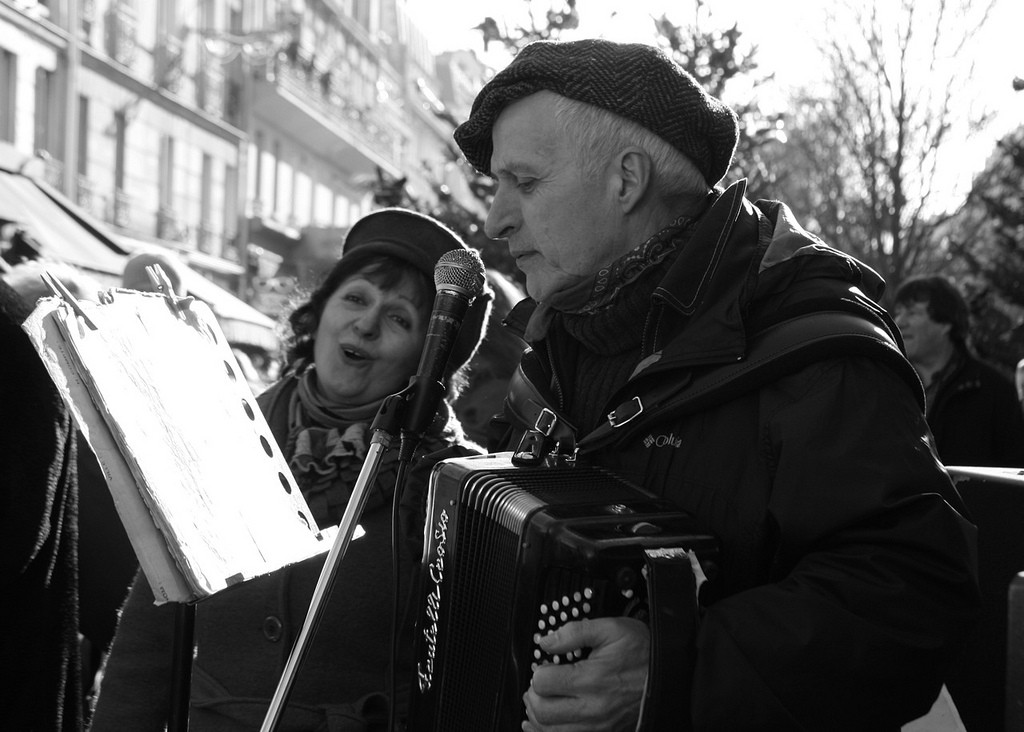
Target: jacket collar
x,y
688,282
700,299
738,253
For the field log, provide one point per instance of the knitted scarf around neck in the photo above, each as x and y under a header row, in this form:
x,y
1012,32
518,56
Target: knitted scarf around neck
x,y
604,320
589,295
327,445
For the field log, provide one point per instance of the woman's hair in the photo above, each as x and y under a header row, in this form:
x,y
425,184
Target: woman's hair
x,y
599,134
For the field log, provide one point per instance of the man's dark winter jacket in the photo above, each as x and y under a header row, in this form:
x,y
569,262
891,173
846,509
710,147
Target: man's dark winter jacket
x,y
976,418
846,576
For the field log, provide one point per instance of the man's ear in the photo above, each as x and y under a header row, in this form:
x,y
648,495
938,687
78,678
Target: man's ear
x,y
631,177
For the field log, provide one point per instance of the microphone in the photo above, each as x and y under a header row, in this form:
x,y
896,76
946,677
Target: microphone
x,y
458,279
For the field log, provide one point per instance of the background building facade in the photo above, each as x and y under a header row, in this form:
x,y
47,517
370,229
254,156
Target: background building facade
x,y
246,135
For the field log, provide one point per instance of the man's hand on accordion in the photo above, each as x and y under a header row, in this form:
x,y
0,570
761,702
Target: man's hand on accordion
x,y
601,692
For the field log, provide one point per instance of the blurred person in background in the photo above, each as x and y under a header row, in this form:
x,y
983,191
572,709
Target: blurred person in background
x,y
104,556
25,277
1018,378
973,410
135,276
355,341
41,687
494,364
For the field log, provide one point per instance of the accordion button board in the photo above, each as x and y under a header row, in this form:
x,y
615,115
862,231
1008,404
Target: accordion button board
x,y
511,553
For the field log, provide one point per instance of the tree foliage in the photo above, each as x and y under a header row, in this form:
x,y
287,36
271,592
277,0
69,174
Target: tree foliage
x,y
718,59
865,152
560,16
984,245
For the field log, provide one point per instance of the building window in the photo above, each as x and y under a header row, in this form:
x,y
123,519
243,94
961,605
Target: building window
x,y
256,172
361,13
8,94
120,23
268,180
44,111
230,203
83,135
121,215
87,18
167,224
206,242
49,119
166,173
279,172
120,140
83,188
302,206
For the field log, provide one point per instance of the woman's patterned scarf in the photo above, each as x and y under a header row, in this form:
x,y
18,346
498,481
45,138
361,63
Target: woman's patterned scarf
x,y
328,445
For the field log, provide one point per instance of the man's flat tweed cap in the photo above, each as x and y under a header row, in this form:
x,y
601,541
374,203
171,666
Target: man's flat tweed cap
x,y
633,80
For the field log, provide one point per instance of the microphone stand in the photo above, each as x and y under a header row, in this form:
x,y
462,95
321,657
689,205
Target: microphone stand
x,y
385,426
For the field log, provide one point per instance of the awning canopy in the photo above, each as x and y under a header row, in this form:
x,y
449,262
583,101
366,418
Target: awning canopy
x,y
60,236
61,231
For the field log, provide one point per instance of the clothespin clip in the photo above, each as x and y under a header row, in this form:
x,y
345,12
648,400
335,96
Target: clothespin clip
x,y
160,281
57,288
163,286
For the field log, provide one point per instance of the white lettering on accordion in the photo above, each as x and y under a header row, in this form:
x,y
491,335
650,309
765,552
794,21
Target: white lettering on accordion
x,y
425,670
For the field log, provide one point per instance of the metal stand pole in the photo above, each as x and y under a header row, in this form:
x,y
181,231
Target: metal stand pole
x,y
379,443
181,666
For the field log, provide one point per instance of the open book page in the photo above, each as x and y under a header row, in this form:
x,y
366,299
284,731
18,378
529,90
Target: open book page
x,y
165,392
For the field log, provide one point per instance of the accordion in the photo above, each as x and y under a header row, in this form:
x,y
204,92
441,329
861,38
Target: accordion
x,y
513,552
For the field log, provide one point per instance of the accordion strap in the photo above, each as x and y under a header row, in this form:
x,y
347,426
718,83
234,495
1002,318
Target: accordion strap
x,y
774,351
777,350
672,598
545,428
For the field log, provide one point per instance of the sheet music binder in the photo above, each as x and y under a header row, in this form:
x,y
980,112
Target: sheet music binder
x,y
196,476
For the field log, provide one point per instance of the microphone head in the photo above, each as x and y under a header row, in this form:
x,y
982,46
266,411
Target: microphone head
x,y
461,270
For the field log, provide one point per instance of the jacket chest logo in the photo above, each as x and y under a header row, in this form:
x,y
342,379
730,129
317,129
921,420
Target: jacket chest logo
x,y
669,440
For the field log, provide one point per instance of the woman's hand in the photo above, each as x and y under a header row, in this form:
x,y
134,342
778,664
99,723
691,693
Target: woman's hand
x,y
601,693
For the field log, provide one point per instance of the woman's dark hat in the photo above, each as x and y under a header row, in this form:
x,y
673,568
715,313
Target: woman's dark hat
x,y
421,240
633,80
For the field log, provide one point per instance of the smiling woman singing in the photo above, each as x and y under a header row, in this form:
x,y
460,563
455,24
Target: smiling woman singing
x,y
355,341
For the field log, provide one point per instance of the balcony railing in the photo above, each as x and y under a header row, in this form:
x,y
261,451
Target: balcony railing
x,y
53,171
86,19
121,24
169,226
319,92
121,210
170,58
209,241
210,87
85,194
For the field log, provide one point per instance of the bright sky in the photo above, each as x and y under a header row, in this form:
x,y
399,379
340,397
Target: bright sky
x,y
786,33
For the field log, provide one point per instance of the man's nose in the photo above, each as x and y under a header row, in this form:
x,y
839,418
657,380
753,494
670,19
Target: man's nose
x,y
502,218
